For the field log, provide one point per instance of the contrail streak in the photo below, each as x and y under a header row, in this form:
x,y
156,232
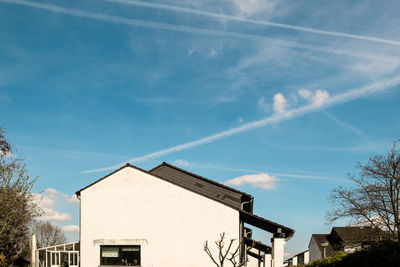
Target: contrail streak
x,y
188,29
225,168
273,119
252,21
351,128
296,176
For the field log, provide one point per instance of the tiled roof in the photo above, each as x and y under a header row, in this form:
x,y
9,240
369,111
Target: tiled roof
x,y
353,234
202,186
231,197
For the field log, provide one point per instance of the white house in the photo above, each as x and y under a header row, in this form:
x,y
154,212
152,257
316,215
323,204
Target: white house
x,y
299,259
163,217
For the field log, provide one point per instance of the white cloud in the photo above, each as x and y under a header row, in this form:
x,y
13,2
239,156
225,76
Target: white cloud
x,y
49,200
280,103
376,221
70,228
73,199
261,180
181,163
304,93
318,98
53,215
240,120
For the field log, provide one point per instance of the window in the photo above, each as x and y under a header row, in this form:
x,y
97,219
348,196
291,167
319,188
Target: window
x,y
55,258
120,255
73,259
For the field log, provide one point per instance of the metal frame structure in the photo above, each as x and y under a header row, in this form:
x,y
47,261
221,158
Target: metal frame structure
x,y
63,255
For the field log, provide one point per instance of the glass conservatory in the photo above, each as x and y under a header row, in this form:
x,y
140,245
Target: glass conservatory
x,y
64,255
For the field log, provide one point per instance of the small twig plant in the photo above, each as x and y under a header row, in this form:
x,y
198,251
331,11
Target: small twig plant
x,y
224,254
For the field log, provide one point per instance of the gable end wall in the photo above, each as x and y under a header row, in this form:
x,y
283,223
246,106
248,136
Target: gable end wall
x,y
169,222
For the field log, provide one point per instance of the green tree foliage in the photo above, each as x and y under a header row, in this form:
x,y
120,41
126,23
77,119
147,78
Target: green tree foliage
x,y
3,262
18,210
378,255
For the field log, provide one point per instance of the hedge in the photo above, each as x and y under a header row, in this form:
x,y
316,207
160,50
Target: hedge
x,y
383,254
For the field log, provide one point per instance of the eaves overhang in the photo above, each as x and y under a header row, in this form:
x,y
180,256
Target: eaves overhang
x,y
265,224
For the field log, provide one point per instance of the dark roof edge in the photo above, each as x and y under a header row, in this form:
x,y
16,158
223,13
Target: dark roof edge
x,y
257,244
298,254
289,231
201,178
245,214
159,177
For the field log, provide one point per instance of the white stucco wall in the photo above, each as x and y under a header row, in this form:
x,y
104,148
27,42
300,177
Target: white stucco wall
x,y
278,252
170,223
294,261
268,260
306,257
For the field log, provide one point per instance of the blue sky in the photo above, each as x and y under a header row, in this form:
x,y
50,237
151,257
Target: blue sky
x,y
276,98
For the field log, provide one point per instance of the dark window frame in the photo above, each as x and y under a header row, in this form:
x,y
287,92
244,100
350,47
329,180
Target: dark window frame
x,y
120,247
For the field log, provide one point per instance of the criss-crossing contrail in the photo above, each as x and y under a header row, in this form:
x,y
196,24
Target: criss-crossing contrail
x,y
253,21
187,29
273,119
351,128
276,118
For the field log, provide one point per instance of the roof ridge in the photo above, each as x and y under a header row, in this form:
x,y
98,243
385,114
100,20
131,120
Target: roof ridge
x,y
152,174
109,174
200,177
158,166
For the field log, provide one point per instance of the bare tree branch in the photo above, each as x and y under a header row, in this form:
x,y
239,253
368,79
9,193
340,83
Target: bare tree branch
x,y
375,196
223,254
48,234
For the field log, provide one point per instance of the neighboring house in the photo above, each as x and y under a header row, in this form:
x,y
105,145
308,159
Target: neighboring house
x,y
319,247
300,258
163,217
347,239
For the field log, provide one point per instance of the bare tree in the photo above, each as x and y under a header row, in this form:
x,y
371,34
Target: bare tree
x,y
17,209
374,197
48,234
232,257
